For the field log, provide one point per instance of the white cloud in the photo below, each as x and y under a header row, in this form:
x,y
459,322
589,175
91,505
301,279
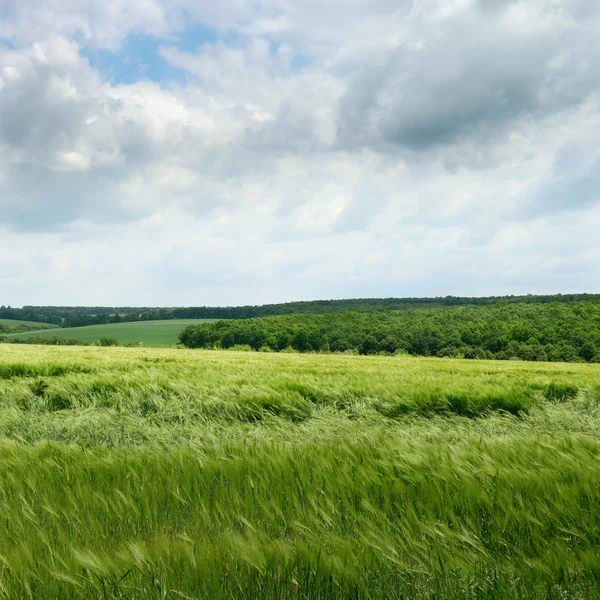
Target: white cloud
x,y
101,24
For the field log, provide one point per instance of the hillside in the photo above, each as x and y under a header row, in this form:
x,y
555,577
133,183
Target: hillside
x,y
16,326
149,333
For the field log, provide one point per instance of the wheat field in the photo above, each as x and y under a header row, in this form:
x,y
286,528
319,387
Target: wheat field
x,y
146,473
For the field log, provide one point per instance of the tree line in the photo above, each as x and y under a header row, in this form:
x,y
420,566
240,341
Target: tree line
x,y
79,316
60,341
74,316
557,331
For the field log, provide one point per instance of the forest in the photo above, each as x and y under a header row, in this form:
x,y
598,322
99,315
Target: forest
x,y
556,331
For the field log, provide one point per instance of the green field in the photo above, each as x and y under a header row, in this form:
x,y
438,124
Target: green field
x,y
150,333
29,324
144,473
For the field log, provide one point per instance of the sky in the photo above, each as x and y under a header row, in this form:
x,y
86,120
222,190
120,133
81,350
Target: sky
x,y
193,152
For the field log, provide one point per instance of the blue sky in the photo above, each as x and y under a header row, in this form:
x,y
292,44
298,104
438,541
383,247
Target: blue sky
x,y
139,58
170,152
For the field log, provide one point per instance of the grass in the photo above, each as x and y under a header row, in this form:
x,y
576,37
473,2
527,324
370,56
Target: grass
x,y
149,333
145,473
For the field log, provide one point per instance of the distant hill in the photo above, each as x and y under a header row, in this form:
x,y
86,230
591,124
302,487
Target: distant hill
x,y
369,305
81,316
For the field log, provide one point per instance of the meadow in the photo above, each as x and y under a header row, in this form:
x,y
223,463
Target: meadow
x,y
146,473
148,333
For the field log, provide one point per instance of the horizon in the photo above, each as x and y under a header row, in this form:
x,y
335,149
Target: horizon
x,y
406,298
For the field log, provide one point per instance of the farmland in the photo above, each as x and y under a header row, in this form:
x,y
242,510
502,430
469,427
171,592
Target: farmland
x,y
16,326
32,324
145,473
149,333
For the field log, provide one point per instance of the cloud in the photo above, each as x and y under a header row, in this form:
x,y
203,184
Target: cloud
x,y
471,78
54,111
99,24
571,186
389,148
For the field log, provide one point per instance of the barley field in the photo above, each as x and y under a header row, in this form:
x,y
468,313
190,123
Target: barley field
x,y
155,473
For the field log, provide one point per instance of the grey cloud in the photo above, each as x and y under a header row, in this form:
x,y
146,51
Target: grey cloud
x,y
496,5
291,131
57,132
368,198
573,185
40,114
35,198
469,81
